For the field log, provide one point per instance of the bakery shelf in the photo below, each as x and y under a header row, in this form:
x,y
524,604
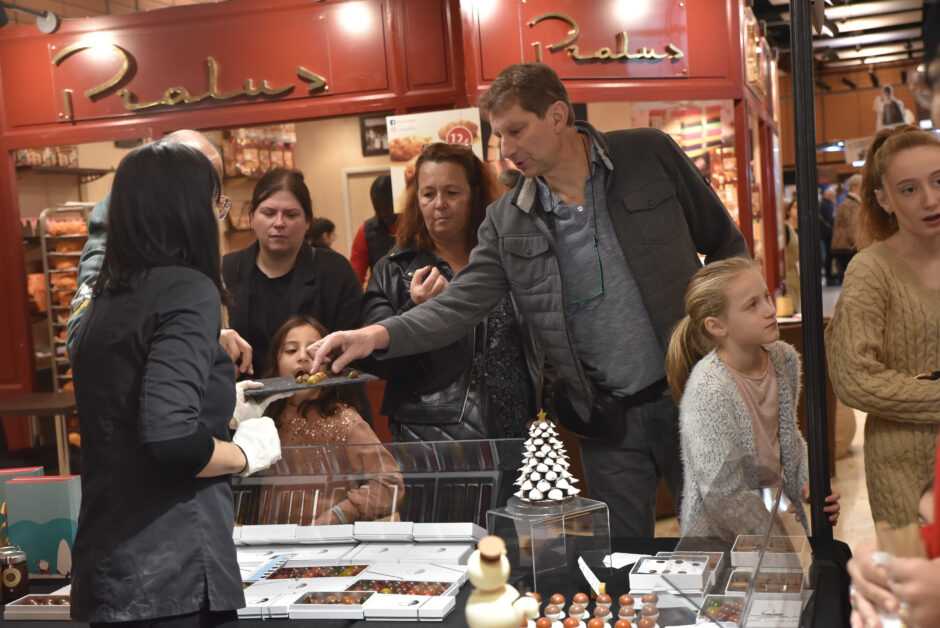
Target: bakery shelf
x,y
85,175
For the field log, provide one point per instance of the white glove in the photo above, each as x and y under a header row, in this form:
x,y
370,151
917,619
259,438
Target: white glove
x,y
259,441
248,408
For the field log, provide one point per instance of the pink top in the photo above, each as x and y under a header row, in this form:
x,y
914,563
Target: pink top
x,y
762,398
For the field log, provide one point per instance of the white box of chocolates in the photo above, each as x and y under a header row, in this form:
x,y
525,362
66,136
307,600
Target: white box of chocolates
x,y
721,610
782,552
448,532
368,553
384,531
392,606
269,534
269,599
670,573
716,562
777,599
323,554
54,606
342,533
415,572
439,554
330,605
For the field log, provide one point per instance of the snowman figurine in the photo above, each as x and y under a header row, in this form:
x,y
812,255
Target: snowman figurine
x,y
493,603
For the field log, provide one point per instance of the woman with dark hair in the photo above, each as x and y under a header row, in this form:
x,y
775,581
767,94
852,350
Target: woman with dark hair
x,y
156,392
482,386
322,233
329,416
280,274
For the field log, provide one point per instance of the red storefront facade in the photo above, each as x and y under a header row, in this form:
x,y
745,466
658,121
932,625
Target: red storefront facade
x,y
253,62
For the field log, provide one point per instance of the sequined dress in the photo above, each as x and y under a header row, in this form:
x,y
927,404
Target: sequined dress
x,y
366,483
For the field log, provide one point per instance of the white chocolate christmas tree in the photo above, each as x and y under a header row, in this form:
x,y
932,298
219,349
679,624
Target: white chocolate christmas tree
x,y
544,475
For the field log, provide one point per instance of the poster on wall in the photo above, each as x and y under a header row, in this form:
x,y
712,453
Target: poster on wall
x,y
408,135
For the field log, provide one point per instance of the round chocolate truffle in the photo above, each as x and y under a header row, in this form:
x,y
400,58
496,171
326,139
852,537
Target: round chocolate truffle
x,y
622,623
576,610
543,622
603,612
604,600
627,612
626,600
557,599
538,598
596,623
570,622
580,598
649,610
552,609
650,598
646,622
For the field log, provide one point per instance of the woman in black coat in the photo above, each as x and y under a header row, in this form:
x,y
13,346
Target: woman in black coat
x,y
281,275
483,385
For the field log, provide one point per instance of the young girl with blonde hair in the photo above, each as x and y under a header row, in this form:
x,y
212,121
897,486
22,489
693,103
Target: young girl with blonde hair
x,y
737,386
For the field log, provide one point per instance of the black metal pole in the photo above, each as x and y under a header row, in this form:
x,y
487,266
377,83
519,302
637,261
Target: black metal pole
x,y
814,351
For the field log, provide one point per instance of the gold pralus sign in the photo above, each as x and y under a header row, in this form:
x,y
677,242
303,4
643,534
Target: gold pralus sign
x,y
176,95
619,53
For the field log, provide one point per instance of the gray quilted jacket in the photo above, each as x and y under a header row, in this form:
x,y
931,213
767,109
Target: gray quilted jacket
x,y
664,214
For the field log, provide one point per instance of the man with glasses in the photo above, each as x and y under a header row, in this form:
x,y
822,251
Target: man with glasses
x,y
596,243
92,257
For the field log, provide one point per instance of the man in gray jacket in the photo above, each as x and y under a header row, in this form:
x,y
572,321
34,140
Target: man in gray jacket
x,y
596,243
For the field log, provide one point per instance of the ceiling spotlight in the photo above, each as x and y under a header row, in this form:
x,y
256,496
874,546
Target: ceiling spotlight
x,y
822,85
848,82
46,21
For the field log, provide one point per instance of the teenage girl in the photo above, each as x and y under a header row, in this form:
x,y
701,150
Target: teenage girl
x,y
737,387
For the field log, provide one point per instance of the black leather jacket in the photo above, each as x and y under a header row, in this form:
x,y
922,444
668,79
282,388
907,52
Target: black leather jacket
x,y
430,396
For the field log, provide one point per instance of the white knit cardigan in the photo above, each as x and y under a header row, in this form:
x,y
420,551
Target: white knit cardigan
x,y
718,443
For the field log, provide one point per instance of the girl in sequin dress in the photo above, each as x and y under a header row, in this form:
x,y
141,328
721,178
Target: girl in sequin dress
x,y
328,416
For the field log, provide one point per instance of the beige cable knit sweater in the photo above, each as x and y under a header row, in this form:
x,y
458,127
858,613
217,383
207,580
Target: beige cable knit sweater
x,y
886,330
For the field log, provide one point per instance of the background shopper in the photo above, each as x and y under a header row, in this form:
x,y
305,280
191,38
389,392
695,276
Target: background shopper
x,y
792,254
846,226
156,393
595,244
827,217
322,233
376,236
480,386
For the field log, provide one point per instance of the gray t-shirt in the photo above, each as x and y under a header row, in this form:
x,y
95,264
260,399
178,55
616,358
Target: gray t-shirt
x,y
606,316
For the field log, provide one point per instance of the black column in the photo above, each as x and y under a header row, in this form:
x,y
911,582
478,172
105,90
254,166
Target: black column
x,y
814,352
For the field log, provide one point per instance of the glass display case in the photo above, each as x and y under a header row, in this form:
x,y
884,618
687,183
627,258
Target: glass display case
x,y
432,482
744,559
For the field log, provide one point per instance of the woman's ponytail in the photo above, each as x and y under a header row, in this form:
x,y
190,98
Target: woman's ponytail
x,y
704,298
